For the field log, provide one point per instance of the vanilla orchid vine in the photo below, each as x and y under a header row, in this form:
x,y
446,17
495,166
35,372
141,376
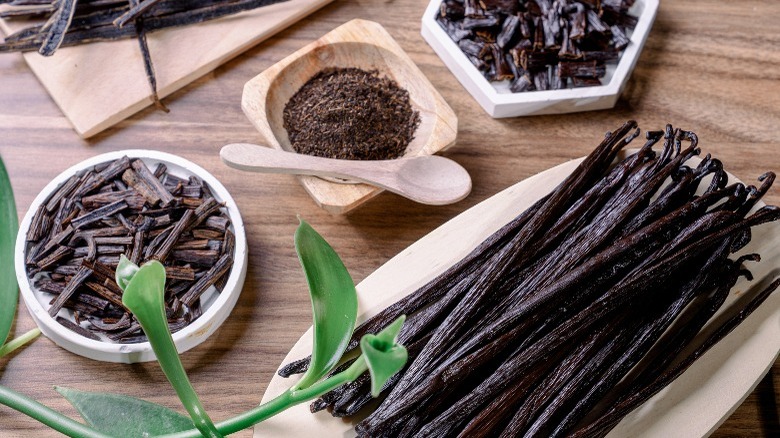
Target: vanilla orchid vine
x,y
334,305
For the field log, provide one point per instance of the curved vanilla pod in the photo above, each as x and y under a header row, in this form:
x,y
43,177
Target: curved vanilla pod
x,y
644,278
558,423
459,370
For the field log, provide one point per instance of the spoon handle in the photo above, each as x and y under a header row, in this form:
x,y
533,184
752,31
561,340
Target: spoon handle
x,y
426,179
254,158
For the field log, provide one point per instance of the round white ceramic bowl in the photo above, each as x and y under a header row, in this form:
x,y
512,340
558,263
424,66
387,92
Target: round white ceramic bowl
x,y
216,306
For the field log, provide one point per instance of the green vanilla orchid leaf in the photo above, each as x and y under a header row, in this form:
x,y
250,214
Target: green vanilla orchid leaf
x,y
145,297
145,290
125,271
120,415
384,355
9,225
334,302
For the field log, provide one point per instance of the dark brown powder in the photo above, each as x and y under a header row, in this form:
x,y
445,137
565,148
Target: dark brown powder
x,y
351,114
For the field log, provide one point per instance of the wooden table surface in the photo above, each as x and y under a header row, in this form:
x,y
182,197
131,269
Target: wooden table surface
x,y
709,66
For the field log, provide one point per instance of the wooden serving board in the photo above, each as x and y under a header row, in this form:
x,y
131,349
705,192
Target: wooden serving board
x,y
694,405
97,85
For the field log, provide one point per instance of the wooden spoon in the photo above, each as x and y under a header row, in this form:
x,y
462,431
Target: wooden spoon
x,y
426,179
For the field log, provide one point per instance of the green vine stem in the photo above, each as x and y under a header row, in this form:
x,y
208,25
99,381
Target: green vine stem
x,y
19,341
284,401
145,297
46,415
72,428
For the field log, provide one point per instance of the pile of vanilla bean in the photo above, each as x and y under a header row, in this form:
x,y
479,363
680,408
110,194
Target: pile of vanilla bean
x,y
120,207
578,310
539,44
74,22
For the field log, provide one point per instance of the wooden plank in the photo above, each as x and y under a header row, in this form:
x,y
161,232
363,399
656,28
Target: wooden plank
x,y
100,84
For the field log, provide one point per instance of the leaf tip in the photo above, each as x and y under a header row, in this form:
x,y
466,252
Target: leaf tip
x,y
125,271
384,355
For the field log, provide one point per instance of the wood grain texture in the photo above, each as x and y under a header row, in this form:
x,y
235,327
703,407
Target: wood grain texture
x,y
709,66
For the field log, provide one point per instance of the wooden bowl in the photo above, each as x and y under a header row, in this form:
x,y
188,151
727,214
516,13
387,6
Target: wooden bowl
x,y
362,44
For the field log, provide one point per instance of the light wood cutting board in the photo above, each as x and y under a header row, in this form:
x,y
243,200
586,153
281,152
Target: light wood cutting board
x,y
97,85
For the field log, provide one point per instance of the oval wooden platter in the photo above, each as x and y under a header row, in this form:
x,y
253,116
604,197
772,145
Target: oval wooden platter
x,y
692,406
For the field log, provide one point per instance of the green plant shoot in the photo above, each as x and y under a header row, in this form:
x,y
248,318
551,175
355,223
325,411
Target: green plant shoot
x,y
333,300
334,304
145,296
384,356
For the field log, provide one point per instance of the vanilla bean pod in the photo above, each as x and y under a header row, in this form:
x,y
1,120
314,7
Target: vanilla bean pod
x,y
133,14
642,227
667,352
601,426
766,214
74,22
606,260
491,420
578,404
586,317
143,45
542,351
62,18
589,171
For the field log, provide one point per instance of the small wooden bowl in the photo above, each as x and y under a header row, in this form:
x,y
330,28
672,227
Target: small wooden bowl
x,y
362,44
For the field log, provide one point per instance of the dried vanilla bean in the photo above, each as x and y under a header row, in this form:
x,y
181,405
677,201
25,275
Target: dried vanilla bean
x,y
72,22
589,297
541,37
96,218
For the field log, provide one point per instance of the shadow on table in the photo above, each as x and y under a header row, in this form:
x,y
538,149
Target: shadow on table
x,y
767,401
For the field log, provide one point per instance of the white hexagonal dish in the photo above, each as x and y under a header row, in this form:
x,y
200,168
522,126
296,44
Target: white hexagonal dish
x,y
499,102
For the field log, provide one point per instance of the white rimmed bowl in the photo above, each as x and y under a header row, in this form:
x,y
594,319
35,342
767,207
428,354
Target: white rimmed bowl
x,y
499,102
216,306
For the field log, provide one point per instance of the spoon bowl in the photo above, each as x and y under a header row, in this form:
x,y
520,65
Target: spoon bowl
x,y
361,44
428,179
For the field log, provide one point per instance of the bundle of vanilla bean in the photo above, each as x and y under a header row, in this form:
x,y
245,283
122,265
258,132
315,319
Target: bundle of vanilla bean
x,y
580,309
73,22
